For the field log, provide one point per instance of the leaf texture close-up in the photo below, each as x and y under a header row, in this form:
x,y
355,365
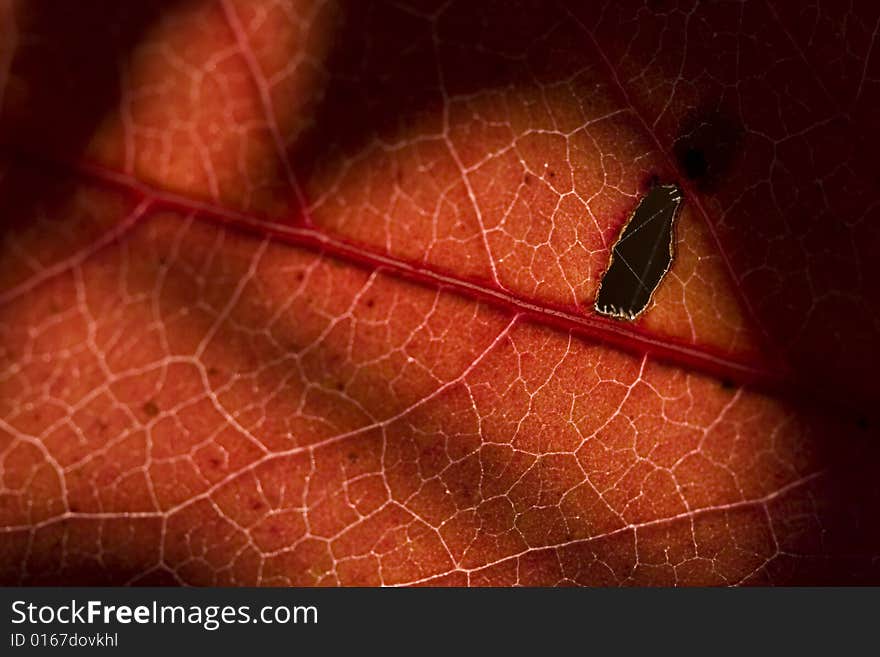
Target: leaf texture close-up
x,y
304,293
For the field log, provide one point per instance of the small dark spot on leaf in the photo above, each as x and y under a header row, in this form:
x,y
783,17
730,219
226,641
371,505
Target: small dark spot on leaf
x,y
256,505
300,276
707,147
528,178
551,173
352,457
151,409
727,384
862,423
370,303
213,371
340,386
215,462
470,493
693,162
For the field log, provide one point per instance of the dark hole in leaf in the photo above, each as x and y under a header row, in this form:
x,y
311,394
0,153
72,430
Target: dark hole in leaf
x,y
641,256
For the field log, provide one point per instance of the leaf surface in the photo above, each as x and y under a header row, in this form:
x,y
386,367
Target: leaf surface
x,y
299,293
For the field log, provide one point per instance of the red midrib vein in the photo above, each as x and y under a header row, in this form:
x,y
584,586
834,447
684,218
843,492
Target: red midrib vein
x,y
607,331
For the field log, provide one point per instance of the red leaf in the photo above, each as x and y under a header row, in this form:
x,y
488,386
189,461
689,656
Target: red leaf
x,y
297,294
